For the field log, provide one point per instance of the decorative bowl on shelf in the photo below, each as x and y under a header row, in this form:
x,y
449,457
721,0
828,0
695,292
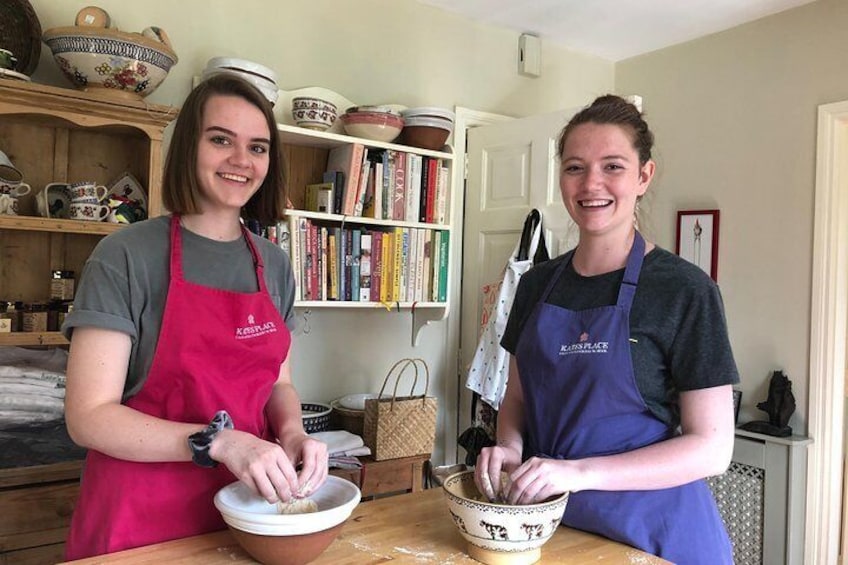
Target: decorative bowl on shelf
x,y
313,113
128,64
287,539
376,126
500,533
427,127
258,75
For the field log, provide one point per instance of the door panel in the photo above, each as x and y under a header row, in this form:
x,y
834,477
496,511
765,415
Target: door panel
x,y
512,168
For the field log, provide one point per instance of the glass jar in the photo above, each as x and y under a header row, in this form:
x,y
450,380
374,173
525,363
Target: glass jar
x,y
62,285
10,311
34,317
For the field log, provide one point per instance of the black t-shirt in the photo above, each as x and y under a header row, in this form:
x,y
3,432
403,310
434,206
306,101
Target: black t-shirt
x,y
677,320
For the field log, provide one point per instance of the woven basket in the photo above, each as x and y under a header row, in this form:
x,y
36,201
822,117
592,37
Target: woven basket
x,y
20,33
316,416
401,426
346,419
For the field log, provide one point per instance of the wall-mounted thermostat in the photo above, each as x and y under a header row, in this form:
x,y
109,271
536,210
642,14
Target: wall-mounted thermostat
x,y
529,55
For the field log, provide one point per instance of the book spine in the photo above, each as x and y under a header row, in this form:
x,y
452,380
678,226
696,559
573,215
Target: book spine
x,y
398,200
376,265
342,248
444,249
419,264
355,257
424,189
432,190
365,268
315,274
442,194
388,271
362,188
386,184
435,259
397,248
413,265
413,187
296,261
352,181
427,283
377,190
332,253
323,261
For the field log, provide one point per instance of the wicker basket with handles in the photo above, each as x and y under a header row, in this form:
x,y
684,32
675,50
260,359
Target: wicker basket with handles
x,y
401,426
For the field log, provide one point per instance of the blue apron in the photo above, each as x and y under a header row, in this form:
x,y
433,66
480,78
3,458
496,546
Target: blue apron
x,y
581,400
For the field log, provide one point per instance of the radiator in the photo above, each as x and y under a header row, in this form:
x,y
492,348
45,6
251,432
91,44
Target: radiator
x,y
761,498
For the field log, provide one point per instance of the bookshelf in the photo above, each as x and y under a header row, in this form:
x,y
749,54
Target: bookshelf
x,y
427,228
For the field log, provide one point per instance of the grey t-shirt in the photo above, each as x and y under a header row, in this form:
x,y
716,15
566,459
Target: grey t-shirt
x,y
124,283
677,319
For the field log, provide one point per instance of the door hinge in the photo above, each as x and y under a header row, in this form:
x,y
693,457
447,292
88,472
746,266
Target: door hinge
x,y
465,168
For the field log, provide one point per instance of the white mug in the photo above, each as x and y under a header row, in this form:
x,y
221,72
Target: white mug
x,y
87,192
88,211
8,172
8,205
15,189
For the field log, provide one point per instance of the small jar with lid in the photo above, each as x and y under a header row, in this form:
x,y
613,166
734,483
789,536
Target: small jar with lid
x,y
62,285
10,312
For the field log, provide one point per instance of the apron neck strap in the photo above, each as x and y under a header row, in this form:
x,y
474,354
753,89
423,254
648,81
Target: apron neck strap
x,y
177,252
631,272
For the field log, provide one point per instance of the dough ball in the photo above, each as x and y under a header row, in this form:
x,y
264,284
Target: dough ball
x,y
297,506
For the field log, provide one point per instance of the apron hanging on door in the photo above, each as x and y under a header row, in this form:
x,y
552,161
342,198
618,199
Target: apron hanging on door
x,y
490,366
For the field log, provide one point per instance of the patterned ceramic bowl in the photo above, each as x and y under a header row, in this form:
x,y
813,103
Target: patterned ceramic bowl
x,y
128,64
376,126
313,113
501,533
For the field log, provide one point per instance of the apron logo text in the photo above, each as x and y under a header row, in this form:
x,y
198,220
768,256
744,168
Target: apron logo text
x,y
255,330
584,346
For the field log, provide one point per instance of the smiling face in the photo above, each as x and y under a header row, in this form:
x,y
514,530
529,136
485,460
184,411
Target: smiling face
x,y
601,178
232,153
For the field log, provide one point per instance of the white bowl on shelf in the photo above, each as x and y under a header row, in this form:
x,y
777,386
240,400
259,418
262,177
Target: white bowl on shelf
x,y
376,126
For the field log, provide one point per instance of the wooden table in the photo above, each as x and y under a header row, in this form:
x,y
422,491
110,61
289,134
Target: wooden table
x,y
408,528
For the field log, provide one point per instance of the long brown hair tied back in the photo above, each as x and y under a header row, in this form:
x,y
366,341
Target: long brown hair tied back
x,y
614,110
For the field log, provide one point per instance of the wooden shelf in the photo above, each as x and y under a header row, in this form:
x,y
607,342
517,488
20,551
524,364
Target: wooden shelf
x,y
33,338
32,223
360,220
301,136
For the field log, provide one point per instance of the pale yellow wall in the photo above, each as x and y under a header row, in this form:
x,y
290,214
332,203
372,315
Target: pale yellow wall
x,y
370,51
735,120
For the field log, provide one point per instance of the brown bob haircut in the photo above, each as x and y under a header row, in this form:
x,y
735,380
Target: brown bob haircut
x,y
180,187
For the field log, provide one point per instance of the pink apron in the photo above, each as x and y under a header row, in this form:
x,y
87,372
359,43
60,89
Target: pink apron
x,y
217,350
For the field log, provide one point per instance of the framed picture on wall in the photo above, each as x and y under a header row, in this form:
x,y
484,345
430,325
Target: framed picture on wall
x,y
697,239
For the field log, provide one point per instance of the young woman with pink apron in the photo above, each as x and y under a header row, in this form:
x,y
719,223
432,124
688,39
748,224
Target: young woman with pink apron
x,y
581,400
202,364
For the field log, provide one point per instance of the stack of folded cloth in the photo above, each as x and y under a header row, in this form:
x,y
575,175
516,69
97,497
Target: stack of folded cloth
x,y
30,395
343,448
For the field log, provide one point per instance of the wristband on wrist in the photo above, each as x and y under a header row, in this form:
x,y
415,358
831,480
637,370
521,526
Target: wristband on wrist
x,y
199,442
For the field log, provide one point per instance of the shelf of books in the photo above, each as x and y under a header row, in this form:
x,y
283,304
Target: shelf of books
x,y
369,224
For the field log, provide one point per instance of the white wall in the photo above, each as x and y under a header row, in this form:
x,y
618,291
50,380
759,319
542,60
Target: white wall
x,y
371,52
735,120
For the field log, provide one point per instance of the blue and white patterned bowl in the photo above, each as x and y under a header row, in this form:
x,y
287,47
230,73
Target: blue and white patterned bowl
x,y
129,64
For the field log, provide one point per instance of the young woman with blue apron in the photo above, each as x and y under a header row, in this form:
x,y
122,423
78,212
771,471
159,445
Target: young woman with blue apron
x,y
581,400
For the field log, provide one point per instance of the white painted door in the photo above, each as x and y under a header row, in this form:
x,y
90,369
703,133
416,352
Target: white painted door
x,y
512,168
